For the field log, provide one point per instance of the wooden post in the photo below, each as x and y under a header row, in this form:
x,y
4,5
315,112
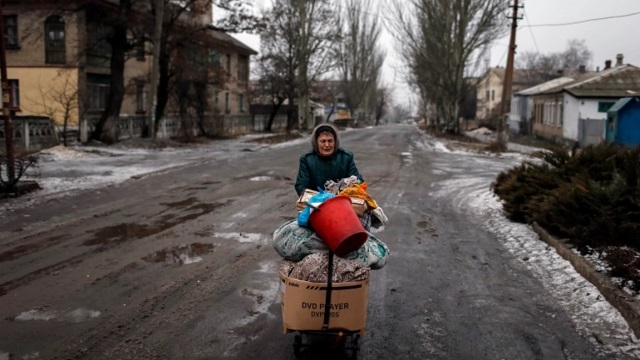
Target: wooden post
x,y
6,102
505,106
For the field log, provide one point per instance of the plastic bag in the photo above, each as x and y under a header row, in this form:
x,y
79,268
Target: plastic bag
x,y
315,200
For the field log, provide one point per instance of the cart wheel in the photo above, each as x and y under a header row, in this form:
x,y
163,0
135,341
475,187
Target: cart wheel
x,y
355,346
297,345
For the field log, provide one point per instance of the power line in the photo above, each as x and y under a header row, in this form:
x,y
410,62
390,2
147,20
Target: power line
x,y
585,21
535,43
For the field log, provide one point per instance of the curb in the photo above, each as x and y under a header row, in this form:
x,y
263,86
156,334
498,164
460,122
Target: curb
x,y
628,307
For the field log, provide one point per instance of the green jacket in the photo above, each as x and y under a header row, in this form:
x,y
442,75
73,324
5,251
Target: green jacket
x,y
315,170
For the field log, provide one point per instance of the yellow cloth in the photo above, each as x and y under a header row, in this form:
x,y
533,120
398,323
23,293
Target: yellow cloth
x,y
359,191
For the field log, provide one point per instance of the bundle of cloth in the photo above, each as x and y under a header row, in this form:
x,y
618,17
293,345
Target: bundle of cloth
x,y
305,255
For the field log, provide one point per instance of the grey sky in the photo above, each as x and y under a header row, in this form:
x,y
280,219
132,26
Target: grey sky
x,y
605,38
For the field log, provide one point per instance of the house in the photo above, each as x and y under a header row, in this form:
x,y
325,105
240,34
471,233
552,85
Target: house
x,y
58,61
623,122
489,90
577,111
521,115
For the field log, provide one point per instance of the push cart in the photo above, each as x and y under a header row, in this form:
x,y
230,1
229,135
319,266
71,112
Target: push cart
x,y
303,311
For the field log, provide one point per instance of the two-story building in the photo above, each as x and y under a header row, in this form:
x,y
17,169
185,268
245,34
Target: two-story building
x,y
489,90
58,59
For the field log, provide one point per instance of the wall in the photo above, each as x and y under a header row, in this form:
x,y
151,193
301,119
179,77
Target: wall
x,y
45,90
492,83
580,109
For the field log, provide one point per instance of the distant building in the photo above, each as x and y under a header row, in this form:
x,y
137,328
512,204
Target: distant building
x,y
577,111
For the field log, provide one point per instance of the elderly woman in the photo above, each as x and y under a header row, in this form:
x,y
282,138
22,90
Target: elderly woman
x,y
326,161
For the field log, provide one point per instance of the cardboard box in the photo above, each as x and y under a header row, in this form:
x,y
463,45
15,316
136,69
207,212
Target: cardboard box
x,y
303,305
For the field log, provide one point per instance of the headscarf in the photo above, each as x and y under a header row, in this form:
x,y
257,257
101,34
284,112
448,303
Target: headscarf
x,y
324,127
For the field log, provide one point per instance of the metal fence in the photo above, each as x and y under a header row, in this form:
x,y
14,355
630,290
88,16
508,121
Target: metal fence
x,y
591,131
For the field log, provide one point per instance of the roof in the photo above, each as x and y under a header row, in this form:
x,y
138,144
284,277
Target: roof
x,y
620,104
617,82
231,41
545,86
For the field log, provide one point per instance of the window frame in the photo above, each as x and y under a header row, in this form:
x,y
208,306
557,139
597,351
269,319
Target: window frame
x,y
55,53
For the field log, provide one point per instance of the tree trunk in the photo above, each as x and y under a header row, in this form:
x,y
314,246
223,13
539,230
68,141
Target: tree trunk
x,y
274,112
163,88
106,129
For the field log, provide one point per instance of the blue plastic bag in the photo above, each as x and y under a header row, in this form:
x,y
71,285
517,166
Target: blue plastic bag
x,y
315,200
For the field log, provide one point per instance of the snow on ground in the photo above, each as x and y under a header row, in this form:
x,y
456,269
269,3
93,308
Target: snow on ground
x,y
61,170
593,316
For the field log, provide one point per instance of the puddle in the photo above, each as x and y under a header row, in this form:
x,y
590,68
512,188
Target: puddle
x,y
42,314
241,237
22,250
407,157
113,235
182,204
268,178
182,254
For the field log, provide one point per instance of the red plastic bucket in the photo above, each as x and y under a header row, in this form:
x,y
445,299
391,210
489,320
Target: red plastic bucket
x,y
337,224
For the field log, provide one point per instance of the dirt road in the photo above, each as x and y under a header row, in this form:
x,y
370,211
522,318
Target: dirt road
x,y
179,265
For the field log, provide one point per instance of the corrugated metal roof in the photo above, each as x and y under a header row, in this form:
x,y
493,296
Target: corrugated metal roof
x,y
619,81
546,86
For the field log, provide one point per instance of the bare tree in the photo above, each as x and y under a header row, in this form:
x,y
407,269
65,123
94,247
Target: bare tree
x,y
543,67
359,55
440,41
381,104
59,100
272,84
297,42
316,25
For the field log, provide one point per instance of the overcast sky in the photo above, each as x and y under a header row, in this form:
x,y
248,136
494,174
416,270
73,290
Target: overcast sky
x,y
607,27
616,32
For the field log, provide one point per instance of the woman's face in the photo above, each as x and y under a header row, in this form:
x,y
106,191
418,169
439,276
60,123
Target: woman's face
x,y
326,144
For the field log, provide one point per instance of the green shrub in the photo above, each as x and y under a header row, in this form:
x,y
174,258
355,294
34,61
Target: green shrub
x,y
591,199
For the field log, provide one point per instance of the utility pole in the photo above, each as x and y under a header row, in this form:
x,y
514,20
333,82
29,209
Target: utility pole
x,y
505,105
6,102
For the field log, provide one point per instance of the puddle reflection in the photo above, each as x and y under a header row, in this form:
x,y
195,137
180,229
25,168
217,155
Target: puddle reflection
x,y
182,254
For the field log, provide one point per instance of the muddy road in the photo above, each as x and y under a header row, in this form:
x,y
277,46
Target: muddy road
x,y
179,265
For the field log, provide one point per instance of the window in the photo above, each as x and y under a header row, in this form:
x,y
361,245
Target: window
x,y
604,106
98,49
11,31
214,58
228,64
493,95
226,102
487,96
97,91
140,96
243,68
241,103
216,100
14,90
54,40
